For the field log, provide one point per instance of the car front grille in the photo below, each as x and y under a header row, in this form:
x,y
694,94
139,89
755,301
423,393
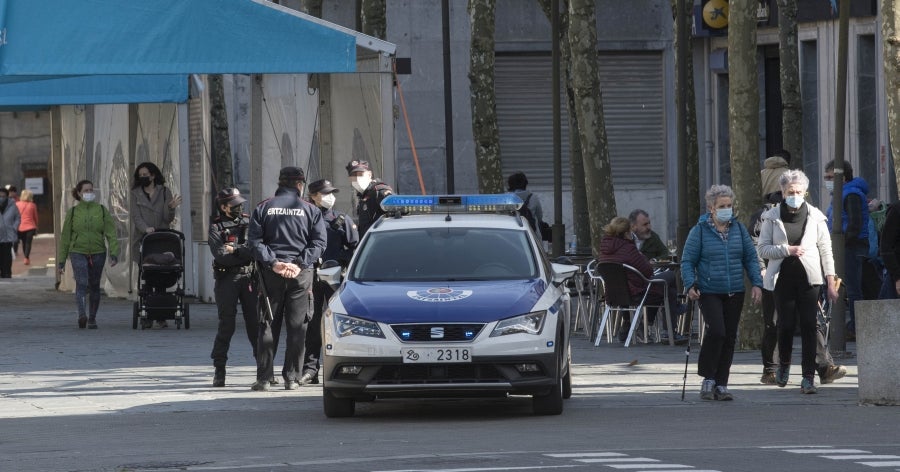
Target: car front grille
x,y
437,332
437,374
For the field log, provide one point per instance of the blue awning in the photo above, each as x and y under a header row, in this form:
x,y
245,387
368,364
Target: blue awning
x,y
112,37
88,89
58,52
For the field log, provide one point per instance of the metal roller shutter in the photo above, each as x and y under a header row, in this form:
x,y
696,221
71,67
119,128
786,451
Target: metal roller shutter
x,y
633,94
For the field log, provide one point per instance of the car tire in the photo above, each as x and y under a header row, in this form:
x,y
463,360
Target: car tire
x,y
552,402
336,407
567,379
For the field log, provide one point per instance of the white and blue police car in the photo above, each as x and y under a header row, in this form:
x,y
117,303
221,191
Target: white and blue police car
x,y
447,296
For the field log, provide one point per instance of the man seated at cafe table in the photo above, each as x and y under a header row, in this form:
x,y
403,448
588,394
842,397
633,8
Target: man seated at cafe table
x,y
646,240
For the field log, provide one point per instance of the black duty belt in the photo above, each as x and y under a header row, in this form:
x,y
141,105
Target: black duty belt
x,y
234,269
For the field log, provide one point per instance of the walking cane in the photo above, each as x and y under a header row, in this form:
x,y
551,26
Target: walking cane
x,y
687,350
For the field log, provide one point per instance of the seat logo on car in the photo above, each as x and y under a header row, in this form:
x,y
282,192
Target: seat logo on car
x,y
439,294
437,332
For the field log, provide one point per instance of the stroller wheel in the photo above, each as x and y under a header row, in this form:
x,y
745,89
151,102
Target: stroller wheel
x,y
187,316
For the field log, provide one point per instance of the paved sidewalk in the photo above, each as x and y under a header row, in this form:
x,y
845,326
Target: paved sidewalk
x,y
48,367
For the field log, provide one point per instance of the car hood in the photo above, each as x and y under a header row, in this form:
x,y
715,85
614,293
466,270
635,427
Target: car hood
x,y
404,302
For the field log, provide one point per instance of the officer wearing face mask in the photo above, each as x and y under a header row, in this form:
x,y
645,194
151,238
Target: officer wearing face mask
x,y
369,194
232,271
342,238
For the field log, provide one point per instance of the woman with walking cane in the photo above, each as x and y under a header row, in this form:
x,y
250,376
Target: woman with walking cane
x,y
717,253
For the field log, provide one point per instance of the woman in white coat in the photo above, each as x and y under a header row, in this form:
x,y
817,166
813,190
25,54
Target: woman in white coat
x,y
794,238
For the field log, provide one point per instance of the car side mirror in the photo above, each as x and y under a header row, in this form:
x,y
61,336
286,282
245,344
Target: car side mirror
x,y
331,273
562,272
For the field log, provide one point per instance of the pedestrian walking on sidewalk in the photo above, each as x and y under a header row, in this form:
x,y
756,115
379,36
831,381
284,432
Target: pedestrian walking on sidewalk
x,y
9,234
152,207
28,223
717,254
794,238
88,232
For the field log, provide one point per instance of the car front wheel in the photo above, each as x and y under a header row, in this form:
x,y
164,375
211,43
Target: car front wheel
x,y
336,407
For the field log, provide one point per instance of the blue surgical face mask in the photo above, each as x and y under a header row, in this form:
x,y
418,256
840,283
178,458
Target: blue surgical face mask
x,y
794,201
829,185
724,214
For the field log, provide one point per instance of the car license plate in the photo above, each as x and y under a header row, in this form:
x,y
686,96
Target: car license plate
x,y
436,355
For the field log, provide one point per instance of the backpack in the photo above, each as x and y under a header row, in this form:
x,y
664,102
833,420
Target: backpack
x,y
543,229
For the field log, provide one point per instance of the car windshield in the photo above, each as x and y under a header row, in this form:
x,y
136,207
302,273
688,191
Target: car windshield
x,y
445,254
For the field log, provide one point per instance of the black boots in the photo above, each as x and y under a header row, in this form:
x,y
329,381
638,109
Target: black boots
x,y
219,377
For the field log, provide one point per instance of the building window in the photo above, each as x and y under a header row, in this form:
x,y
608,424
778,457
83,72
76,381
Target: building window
x,y
809,94
867,132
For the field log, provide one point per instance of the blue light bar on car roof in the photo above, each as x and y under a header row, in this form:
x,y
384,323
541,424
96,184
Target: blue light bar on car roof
x,y
490,203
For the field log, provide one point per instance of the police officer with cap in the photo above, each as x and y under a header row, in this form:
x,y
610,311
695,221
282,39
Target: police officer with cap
x,y
369,194
287,235
342,240
232,271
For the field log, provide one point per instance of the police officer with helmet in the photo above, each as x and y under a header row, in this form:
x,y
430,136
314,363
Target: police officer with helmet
x,y
287,236
342,240
232,271
369,194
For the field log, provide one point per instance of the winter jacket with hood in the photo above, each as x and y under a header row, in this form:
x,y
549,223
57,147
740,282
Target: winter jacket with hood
x,y
771,174
714,265
773,245
855,217
9,222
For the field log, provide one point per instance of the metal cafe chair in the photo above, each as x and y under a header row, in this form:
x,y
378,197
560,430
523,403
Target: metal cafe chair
x,y
618,299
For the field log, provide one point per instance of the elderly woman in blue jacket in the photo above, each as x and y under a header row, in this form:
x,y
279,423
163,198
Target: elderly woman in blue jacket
x,y
717,254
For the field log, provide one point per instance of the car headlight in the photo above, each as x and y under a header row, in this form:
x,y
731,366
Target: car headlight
x,y
345,325
532,323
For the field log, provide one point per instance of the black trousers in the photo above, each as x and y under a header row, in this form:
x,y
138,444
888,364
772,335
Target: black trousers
x,y
289,299
321,293
25,237
722,314
770,332
797,305
230,289
6,260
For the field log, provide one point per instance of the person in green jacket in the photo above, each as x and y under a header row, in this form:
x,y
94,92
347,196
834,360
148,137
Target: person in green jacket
x,y
88,231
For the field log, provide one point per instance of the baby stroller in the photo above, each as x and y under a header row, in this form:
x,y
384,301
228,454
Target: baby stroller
x,y
161,267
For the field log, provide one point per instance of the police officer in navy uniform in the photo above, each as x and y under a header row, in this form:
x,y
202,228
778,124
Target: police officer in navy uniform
x,y
287,236
232,271
342,240
369,194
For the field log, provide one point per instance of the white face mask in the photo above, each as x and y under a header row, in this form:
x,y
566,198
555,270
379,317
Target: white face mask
x,y
361,183
89,196
327,201
829,185
794,201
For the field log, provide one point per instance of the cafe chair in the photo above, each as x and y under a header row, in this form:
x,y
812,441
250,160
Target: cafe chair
x,y
618,300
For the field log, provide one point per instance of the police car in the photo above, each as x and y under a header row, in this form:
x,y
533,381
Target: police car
x,y
447,296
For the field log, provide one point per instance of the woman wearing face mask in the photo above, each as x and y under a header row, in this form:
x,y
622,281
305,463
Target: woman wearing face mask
x,y
342,238
369,194
152,207
88,231
794,238
717,254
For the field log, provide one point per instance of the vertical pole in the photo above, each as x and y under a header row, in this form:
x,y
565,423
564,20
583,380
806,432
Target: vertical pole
x,y
681,60
838,330
559,229
448,94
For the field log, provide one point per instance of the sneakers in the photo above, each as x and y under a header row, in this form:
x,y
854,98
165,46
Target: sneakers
x,y
782,374
832,373
722,394
706,389
260,386
309,378
82,322
767,378
219,377
274,380
291,384
92,323
27,261
808,386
